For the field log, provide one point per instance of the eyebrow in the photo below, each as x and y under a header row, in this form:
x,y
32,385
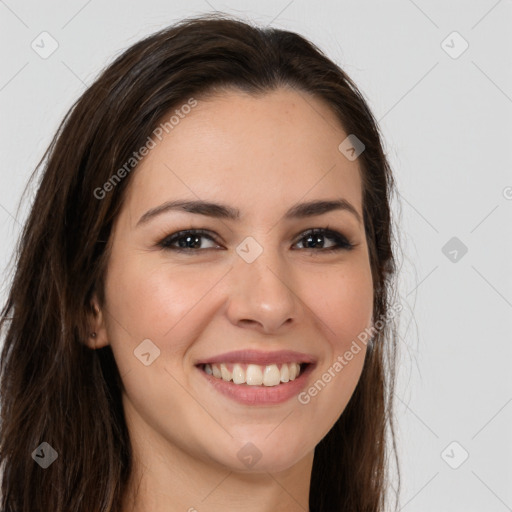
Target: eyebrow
x,y
221,211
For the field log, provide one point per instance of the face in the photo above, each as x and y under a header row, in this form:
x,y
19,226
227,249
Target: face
x,y
253,295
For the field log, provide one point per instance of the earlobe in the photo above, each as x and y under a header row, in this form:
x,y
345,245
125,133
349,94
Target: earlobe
x,y
97,337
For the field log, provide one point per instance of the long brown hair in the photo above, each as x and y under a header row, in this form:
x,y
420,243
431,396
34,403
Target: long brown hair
x,y
54,389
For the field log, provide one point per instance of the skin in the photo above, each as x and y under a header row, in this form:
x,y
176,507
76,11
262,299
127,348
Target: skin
x,y
261,155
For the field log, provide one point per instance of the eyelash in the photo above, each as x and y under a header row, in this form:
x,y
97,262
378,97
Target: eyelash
x,y
341,240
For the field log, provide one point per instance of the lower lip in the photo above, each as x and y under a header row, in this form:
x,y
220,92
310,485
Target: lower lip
x,y
260,395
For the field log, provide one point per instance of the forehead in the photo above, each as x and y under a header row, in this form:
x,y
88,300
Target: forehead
x,y
254,152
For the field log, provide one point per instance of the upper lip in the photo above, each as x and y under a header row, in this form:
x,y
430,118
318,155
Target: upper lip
x,y
258,357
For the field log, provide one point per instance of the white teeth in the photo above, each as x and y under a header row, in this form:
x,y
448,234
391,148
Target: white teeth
x,y
272,375
254,374
238,374
285,373
225,373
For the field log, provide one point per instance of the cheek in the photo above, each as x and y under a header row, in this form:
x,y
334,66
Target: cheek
x,y
343,301
156,302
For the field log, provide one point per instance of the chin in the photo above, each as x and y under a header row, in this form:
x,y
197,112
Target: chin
x,y
262,455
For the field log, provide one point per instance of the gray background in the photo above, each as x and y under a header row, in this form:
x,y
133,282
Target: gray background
x,y
447,124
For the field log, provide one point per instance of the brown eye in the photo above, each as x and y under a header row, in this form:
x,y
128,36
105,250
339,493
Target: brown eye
x,y
316,237
189,240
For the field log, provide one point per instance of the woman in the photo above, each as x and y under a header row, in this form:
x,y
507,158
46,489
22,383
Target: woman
x,y
201,314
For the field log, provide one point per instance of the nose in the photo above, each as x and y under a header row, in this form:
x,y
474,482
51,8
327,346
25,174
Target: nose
x,y
262,294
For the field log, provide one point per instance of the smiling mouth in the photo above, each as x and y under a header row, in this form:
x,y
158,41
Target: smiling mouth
x,y
255,374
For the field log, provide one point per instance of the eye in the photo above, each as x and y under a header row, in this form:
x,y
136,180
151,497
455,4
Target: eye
x,y
317,236
190,240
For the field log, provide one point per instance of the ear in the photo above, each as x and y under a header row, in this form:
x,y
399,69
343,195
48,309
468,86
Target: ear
x,y
97,336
